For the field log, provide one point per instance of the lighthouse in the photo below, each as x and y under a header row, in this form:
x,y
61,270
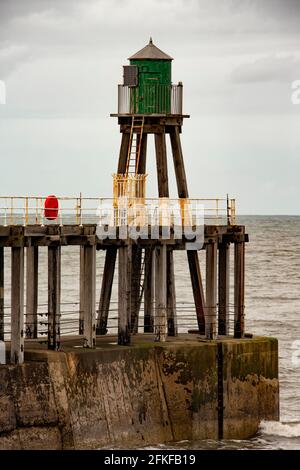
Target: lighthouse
x,y
150,105
149,76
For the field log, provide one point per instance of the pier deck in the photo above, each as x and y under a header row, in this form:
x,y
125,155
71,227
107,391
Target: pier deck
x,y
47,235
154,255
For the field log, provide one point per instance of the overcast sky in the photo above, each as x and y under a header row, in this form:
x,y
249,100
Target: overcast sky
x,y
61,61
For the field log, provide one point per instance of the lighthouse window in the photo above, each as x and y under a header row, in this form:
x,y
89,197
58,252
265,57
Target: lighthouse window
x,y
130,75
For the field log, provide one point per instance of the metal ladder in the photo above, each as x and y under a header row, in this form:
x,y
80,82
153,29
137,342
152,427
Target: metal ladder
x,y
132,165
142,276
135,144
139,278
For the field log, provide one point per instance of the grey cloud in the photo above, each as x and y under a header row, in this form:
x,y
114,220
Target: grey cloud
x,y
279,9
267,69
10,57
48,43
11,9
62,60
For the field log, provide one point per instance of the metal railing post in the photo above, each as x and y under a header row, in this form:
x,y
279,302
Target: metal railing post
x,y
60,216
26,209
11,211
36,210
80,209
42,212
233,221
228,211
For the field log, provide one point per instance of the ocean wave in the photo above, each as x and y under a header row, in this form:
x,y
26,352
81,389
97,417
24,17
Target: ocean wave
x,y
276,428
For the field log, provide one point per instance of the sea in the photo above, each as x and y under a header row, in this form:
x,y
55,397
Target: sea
x,y
272,308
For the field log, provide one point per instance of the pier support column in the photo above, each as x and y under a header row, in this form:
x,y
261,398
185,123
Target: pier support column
x,y
149,291
197,286
123,153
136,278
239,289
211,290
160,322
106,288
81,288
161,165
223,285
31,327
54,288
192,255
1,293
17,305
171,295
111,252
143,155
165,301
124,294
89,298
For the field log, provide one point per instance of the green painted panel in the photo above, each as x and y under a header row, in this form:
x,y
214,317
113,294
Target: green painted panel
x,y
153,93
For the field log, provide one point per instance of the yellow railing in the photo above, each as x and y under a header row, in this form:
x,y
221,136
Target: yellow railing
x,y
132,186
78,210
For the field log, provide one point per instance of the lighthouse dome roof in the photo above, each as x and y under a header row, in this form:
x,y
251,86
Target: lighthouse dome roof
x,y
150,52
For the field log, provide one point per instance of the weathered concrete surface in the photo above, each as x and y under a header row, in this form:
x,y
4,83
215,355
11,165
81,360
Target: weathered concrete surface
x,y
250,380
189,378
136,395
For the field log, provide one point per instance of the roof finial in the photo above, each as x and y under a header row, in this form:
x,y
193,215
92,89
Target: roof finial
x,y
150,41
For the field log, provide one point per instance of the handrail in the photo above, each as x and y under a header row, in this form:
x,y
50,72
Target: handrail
x,y
150,99
76,210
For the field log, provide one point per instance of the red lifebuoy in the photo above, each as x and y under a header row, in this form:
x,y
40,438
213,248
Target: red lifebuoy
x,y
51,207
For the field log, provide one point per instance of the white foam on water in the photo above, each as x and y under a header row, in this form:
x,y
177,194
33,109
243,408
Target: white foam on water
x,y
276,428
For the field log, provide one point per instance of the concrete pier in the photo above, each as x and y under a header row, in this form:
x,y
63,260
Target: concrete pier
x,y
91,398
131,389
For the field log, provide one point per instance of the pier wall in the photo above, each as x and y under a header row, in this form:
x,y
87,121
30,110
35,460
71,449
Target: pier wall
x,y
138,395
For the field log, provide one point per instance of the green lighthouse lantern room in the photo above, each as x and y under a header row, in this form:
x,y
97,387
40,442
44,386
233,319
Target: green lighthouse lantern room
x,y
147,85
